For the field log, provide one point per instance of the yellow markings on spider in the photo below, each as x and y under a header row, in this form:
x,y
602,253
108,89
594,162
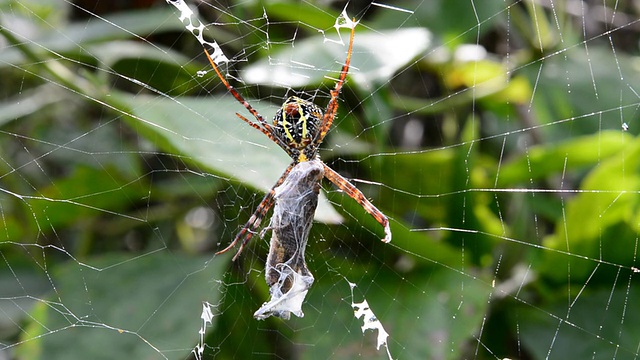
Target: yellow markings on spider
x,y
297,121
286,125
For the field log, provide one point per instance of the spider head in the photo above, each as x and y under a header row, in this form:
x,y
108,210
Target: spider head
x,y
297,123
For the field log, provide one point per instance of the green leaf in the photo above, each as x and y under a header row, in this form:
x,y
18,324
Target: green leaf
x,y
600,223
573,86
148,65
18,279
577,152
29,102
310,16
83,194
122,308
72,38
425,175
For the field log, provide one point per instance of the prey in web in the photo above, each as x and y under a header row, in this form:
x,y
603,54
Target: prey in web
x,y
287,273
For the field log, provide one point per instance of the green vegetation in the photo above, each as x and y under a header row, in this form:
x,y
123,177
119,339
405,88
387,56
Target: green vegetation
x,y
515,217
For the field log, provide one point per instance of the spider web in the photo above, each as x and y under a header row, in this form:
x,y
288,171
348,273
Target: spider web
x,y
498,137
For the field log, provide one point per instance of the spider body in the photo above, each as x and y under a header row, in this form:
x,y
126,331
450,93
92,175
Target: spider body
x,y
299,127
298,121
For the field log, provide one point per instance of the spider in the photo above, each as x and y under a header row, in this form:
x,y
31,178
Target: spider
x,y
299,127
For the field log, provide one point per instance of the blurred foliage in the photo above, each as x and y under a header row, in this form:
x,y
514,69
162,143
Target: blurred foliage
x,y
497,133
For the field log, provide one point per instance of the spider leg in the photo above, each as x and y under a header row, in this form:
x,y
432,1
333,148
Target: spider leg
x,y
332,107
262,125
269,132
256,126
236,94
251,227
358,196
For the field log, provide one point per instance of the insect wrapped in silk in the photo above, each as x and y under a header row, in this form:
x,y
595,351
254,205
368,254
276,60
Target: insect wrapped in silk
x,y
286,271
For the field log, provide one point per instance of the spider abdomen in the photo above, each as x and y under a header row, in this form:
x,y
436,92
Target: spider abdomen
x,y
297,122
